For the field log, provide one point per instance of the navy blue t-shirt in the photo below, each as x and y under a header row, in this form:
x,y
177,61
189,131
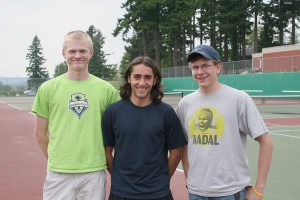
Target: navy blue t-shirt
x,y
141,137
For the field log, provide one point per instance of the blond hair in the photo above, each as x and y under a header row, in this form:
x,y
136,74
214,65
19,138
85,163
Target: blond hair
x,y
78,35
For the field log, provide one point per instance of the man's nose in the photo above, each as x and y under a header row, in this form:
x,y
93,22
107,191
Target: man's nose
x,y
77,54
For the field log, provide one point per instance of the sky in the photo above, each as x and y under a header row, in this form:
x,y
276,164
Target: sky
x,y
50,20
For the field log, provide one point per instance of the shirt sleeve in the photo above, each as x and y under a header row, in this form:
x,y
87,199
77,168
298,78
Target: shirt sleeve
x,y
107,128
175,135
41,104
252,122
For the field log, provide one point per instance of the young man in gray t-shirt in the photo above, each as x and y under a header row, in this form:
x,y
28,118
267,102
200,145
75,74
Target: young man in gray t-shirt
x,y
217,120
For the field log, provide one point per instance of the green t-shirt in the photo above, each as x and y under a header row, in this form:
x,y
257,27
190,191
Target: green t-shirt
x,y
74,110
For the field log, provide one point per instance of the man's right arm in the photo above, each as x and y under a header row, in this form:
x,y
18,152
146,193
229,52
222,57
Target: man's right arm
x,y
109,157
41,133
184,161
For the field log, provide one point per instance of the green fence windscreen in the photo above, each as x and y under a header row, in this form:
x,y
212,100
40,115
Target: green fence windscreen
x,y
265,84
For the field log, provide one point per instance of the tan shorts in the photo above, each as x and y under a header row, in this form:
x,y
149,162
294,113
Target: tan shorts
x,y
82,186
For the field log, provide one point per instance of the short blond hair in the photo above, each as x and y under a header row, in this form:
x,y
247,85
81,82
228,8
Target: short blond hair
x,y
78,35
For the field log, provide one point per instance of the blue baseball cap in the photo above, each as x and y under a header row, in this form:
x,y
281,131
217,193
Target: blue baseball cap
x,y
206,51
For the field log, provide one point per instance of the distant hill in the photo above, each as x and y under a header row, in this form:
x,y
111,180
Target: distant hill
x,y
14,81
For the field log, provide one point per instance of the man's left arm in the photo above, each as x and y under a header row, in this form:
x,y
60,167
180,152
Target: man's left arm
x,y
174,159
264,163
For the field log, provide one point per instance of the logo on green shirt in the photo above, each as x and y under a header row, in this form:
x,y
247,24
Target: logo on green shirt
x,y
78,104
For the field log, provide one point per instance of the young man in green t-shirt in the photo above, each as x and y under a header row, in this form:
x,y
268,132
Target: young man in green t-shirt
x,y
67,127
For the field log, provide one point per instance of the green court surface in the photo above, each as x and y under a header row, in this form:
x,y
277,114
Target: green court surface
x,y
284,176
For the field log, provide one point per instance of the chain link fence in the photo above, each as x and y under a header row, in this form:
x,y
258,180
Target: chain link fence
x,y
281,64
12,86
236,67
276,64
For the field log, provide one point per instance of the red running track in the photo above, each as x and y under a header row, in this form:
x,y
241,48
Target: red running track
x,y
22,165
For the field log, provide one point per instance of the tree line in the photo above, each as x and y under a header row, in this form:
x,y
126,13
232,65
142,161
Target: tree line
x,y
97,66
167,30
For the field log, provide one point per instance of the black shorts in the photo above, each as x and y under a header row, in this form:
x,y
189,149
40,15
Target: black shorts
x,y
114,197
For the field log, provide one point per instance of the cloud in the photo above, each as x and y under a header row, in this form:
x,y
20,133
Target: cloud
x,y
50,21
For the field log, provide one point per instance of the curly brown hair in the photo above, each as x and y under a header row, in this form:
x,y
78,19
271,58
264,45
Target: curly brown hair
x,y
156,93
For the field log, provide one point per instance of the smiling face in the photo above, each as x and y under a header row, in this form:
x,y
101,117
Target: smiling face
x,y
77,54
205,119
205,72
141,80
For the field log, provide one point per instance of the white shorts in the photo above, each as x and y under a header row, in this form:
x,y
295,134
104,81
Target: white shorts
x,y
81,186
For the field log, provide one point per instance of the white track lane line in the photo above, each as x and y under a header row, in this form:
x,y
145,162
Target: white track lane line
x,y
14,107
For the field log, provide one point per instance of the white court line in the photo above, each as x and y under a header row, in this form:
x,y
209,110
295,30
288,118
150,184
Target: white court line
x,y
285,130
31,113
184,90
2,102
291,91
291,136
180,170
272,124
252,90
14,107
279,96
283,102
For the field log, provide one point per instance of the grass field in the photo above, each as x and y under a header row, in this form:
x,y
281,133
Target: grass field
x,y
116,84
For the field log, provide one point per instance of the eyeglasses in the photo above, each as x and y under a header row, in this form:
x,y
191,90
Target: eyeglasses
x,y
204,67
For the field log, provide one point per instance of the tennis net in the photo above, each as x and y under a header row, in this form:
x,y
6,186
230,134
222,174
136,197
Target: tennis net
x,y
284,105
172,98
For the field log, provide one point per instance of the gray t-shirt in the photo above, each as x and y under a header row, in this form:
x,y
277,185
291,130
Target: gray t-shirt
x,y
216,127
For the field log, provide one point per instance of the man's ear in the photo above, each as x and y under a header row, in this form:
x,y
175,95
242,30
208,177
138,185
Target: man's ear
x,y
219,68
155,79
63,53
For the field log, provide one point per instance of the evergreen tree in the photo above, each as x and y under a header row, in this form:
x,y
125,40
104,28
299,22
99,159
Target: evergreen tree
x,y
60,69
37,74
177,29
97,65
280,15
123,65
142,18
257,7
266,36
167,30
132,50
293,12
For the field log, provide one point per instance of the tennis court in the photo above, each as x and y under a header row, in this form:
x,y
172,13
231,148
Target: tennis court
x,y
282,116
23,167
